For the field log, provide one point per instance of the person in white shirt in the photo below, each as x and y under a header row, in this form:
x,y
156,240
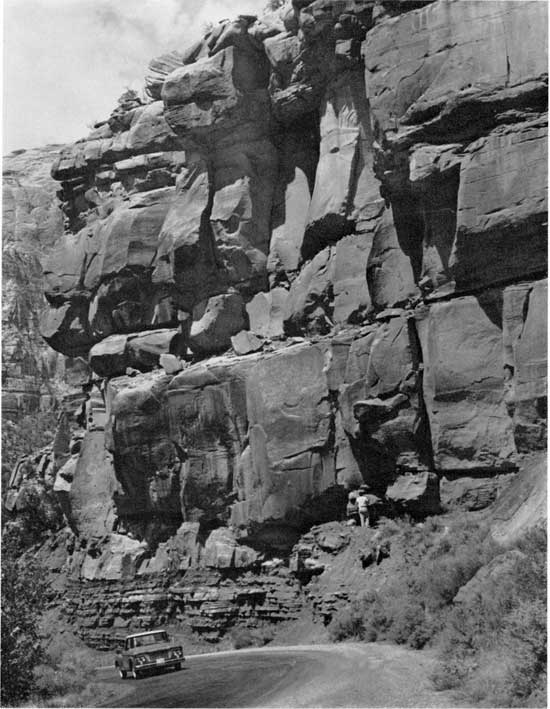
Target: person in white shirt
x,y
366,503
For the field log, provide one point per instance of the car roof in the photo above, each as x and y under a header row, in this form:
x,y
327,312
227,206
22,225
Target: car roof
x,y
148,632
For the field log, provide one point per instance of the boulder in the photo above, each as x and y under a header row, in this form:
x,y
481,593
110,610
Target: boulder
x,y
266,312
215,94
215,321
221,551
65,328
110,357
119,559
146,348
142,351
128,238
150,132
158,70
416,493
245,342
299,75
170,363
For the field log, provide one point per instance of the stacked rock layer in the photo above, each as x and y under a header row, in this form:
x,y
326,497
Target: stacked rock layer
x,y
314,257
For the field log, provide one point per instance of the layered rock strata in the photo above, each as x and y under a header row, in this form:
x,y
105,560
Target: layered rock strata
x,y
315,258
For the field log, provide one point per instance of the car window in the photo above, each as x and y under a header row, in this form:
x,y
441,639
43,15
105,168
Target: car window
x,y
150,639
144,640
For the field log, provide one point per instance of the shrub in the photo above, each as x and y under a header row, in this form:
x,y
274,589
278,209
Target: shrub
x,y
23,598
251,637
494,644
29,434
63,671
491,645
347,624
411,608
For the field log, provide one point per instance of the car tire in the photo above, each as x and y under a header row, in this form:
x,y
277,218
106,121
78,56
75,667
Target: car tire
x,y
135,673
123,674
177,666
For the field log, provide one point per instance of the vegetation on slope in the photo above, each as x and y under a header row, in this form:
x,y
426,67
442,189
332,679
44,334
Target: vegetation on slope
x,y
490,637
23,599
27,435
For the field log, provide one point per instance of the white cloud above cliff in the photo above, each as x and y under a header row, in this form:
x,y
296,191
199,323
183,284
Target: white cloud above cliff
x,y
67,61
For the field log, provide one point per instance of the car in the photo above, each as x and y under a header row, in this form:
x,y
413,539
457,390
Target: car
x,y
153,650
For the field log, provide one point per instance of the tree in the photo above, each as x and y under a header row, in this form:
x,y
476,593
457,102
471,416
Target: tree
x,y
27,435
24,591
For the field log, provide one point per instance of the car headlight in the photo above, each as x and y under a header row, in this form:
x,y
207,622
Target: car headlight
x,y
142,659
175,653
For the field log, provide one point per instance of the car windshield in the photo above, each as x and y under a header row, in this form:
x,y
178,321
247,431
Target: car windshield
x,y
149,639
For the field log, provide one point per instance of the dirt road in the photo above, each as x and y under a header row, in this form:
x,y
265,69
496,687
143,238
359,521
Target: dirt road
x,y
345,675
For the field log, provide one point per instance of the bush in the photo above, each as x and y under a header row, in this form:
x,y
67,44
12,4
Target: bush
x,y
348,624
494,644
251,637
28,435
64,671
23,597
413,606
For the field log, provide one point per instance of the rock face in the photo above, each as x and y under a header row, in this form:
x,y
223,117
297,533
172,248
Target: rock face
x,y
32,224
328,228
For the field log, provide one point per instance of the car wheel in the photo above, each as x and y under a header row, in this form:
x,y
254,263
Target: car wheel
x,y
135,673
122,673
177,666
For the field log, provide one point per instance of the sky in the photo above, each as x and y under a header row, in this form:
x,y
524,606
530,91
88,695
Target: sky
x,y
65,62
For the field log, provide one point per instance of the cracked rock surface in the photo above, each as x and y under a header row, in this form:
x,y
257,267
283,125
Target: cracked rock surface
x,y
312,256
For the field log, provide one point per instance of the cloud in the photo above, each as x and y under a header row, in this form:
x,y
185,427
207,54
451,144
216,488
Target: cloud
x,y
67,61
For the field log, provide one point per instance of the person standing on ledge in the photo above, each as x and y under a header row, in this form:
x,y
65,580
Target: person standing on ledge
x,y
367,504
351,508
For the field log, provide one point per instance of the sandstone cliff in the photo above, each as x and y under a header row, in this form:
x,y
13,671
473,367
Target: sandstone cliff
x,y
314,256
32,223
